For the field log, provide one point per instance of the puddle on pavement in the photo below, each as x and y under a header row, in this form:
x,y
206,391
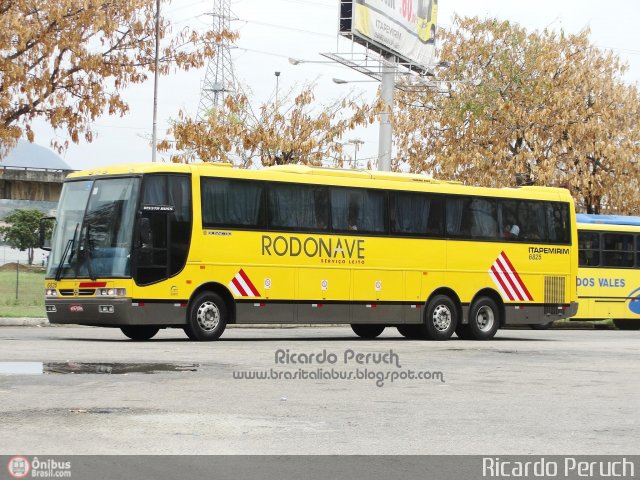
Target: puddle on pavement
x,y
21,368
117,368
39,368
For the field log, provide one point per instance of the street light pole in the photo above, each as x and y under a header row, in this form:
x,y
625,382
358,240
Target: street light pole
x,y
154,136
277,87
387,88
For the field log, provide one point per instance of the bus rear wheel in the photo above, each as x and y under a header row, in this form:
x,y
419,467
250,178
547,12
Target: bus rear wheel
x,y
441,318
410,331
207,317
627,324
484,319
140,332
365,330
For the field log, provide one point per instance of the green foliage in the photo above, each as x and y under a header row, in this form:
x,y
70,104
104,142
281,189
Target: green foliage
x,y
22,230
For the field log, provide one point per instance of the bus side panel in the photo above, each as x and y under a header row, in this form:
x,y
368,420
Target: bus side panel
x,y
521,276
608,293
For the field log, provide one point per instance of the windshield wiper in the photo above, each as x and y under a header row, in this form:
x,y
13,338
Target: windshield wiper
x,y
87,250
67,248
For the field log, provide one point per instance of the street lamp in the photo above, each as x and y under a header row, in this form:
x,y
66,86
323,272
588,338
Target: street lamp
x,y
340,81
277,86
387,75
356,142
298,61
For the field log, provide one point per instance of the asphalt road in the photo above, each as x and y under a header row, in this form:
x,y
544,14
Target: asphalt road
x,y
525,392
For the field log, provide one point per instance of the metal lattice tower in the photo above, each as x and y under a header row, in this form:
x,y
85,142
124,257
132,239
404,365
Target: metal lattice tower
x,y
219,81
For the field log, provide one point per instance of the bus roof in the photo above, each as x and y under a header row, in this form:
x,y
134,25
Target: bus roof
x,y
607,219
329,176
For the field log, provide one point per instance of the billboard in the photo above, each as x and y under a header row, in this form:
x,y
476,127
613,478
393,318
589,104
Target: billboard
x,y
405,28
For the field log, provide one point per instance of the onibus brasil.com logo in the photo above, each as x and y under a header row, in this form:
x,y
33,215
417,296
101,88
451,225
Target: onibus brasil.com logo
x,y
20,467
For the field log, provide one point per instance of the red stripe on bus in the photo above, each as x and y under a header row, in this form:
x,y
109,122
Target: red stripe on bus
x,y
249,284
524,287
507,277
93,284
239,286
500,281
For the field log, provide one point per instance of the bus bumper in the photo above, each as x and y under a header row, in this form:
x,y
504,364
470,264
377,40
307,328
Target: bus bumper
x,y
114,312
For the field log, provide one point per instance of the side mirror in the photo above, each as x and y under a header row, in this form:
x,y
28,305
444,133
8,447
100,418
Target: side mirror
x,y
45,232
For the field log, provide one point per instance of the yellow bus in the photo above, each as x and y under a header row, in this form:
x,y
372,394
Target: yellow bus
x,y
609,269
200,246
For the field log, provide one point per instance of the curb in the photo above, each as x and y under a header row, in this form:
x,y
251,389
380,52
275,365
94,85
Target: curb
x,y
43,322
23,322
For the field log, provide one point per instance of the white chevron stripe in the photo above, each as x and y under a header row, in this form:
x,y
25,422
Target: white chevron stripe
x,y
522,296
497,284
245,287
234,290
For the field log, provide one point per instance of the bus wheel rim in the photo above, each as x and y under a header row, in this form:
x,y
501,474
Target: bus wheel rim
x,y
208,316
441,318
485,318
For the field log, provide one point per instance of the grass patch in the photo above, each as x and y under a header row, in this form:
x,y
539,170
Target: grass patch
x,y
30,301
595,324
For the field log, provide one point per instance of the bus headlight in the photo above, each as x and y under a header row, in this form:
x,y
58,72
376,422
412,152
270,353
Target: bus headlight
x,y
51,292
111,292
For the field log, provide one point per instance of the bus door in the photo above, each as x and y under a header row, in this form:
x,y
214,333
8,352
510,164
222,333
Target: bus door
x,y
163,228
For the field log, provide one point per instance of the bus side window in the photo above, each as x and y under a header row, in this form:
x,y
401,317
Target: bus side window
x,y
358,209
532,221
618,250
589,249
483,218
229,203
298,207
558,225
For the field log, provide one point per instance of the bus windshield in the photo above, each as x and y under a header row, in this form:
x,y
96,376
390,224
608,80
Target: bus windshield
x,y
94,229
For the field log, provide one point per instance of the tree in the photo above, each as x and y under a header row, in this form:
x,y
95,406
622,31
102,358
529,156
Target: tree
x,y
544,107
67,60
22,230
296,130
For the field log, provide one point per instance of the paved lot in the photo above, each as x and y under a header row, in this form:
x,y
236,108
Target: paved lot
x,y
526,392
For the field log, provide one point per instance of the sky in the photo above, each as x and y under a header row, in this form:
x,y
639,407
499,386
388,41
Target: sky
x,y
272,31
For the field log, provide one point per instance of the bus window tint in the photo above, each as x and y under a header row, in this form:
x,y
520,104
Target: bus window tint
x,y
298,207
416,214
638,250
558,223
472,218
231,203
358,210
589,249
532,221
618,250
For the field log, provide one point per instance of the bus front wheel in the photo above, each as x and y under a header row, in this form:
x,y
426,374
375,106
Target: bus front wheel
x,y
441,318
484,319
140,332
207,317
627,324
367,330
